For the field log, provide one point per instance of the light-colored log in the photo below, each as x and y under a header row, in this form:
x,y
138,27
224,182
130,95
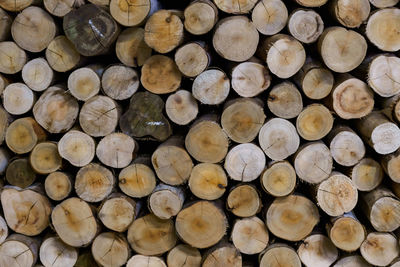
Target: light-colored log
x,y
145,261
20,173
233,7
223,254
77,148
314,122
37,74
351,14
311,3
383,71
62,55
18,98
279,179
200,17
367,174
137,180
184,255
208,181
278,254
12,57
269,16
83,83
44,158
55,253
19,250
380,249
130,13
284,100
181,107
317,250
244,200
58,185
119,82
59,8
192,58
352,261
383,3
305,25
15,6
211,87
166,201
110,249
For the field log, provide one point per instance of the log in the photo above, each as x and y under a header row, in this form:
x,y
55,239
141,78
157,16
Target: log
x,y
20,173
269,17
211,87
5,27
277,254
91,29
33,29
351,14
99,116
200,16
160,75
119,82
171,162
44,158
391,165
192,58
380,248
166,201
383,3
58,185
77,148
284,100
383,71
151,236
244,200
208,181
148,261
181,107
314,122
18,98
278,179
201,224
23,134
311,3
12,57
223,254
117,212
244,162
352,261
164,31
381,29
26,211
367,174
306,25
53,252
184,255
131,13
110,249
381,134
292,218
59,8
56,110
342,50
278,139
83,83
131,48
206,141
37,74
232,7
235,38
137,180
317,250
74,222
19,250
62,55
250,235
93,183
3,230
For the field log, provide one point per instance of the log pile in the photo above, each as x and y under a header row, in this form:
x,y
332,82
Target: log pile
x,y
204,133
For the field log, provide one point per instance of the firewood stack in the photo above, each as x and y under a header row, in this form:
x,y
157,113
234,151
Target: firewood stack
x,y
155,133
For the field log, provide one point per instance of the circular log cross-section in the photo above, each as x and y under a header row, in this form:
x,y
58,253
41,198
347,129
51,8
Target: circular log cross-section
x,y
20,173
269,16
44,158
306,25
18,98
314,122
166,201
37,74
351,14
62,55
380,249
244,201
130,13
192,59
347,233
119,82
53,252
279,179
12,58
284,100
367,174
317,250
58,185
83,83
278,254
181,107
211,87
208,181
382,75
59,8
137,180
346,147
19,250
200,17
110,249
184,255
77,148
250,79
117,212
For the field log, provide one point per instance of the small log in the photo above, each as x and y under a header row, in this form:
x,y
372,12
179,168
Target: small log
x,y
144,118
99,116
74,222
19,250
151,236
131,13
391,166
250,235
235,38
12,58
352,261
184,255
110,249
20,173
317,250
53,252
148,261
352,98
381,207
62,55
5,27
83,83
244,200
3,230
346,232
201,224
206,141
119,82
137,180
18,98
44,158
37,74
381,29
58,185
381,134
284,100
192,59
131,48
79,25
311,3
93,183
171,162
277,254
306,25
351,14
77,148
160,75
23,134
56,110
331,46
278,139
211,87
232,7
367,174
164,31
244,162
314,122
116,150
269,17
59,8
26,211
33,29
223,254
380,249
181,107
117,212
200,17
346,146
383,3
279,179
166,201
208,181
283,54
383,71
